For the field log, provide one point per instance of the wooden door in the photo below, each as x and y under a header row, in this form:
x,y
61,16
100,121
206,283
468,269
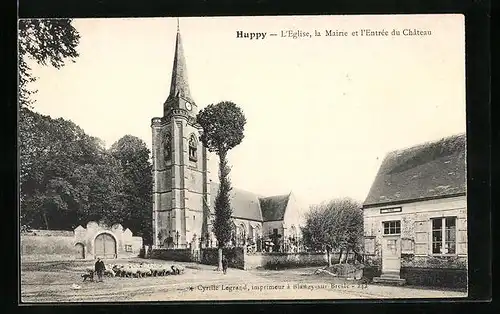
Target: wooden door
x,y
105,246
391,255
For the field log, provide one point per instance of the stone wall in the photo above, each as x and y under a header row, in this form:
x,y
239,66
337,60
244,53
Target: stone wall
x,y
435,277
126,244
177,255
61,244
432,271
46,244
287,260
236,257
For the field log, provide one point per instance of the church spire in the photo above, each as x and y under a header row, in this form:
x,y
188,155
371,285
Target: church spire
x,y
179,87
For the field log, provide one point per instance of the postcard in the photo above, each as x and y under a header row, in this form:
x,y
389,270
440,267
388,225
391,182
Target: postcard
x,y
242,158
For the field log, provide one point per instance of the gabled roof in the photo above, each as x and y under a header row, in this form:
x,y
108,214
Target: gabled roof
x,y
245,204
434,169
274,207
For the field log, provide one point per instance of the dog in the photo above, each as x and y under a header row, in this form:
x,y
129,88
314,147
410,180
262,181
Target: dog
x,y
89,276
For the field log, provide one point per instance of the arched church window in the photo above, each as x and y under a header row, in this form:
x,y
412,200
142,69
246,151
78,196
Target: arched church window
x,y
193,146
167,149
240,235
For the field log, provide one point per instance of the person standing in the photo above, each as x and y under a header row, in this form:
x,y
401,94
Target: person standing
x,y
99,269
224,264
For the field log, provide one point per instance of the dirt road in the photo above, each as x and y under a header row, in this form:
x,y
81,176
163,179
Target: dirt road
x,y
52,282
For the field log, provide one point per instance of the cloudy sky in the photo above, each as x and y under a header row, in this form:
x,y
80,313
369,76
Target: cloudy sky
x,y
322,112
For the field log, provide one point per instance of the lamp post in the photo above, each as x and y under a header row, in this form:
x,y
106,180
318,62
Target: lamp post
x,y
177,238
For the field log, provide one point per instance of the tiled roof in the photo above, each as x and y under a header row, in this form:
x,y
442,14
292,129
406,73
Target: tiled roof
x,y
432,169
274,207
244,204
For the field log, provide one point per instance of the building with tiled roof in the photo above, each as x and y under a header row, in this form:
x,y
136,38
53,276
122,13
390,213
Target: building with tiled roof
x,y
417,206
183,194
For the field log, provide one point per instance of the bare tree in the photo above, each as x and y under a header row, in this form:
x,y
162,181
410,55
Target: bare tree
x,y
336,225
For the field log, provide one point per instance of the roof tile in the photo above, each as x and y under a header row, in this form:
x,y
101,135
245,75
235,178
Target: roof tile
x,y
428,170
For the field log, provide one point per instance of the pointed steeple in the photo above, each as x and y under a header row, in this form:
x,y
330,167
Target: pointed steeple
x,y
179,87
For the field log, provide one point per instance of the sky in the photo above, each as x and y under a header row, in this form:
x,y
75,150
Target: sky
x,y
322,112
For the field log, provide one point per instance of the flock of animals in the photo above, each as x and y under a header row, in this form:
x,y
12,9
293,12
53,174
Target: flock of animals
x,y
136,270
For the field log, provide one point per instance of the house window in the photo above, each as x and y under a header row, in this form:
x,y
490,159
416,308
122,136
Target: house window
x,y
128,248
193,148
392,227
444,235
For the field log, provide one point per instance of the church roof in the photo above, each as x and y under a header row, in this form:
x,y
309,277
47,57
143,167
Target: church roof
x,y
245,204
434,169
274,207
179,86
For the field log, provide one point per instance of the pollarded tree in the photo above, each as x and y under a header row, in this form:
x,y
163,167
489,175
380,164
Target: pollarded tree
x,y
223,127
45,41
336,225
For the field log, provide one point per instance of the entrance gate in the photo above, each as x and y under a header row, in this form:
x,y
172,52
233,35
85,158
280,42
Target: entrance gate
x,y
105,246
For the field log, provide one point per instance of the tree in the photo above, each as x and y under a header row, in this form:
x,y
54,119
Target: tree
x,y
223,127
336,225
45,41
133,155
66,176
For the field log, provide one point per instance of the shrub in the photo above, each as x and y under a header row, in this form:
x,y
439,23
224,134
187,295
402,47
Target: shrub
x,y
345,269
454,262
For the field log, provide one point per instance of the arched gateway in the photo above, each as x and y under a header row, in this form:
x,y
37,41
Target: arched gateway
x,y
105,246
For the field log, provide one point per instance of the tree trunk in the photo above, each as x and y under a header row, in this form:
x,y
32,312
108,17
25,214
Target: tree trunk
x,y
219,266
44,214
328,257
340,256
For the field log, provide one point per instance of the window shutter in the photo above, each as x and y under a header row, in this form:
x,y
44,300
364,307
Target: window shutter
x,y
407,246
462,236
422,229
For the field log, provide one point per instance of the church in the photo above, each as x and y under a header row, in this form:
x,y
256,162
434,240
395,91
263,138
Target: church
x,y
183,194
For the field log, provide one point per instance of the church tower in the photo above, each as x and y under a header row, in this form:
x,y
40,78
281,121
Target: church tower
x,y
181,191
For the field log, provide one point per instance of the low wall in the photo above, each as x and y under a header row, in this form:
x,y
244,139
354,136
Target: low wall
x,y
285,260
177,255
61,244
34,244
435,277
369,272
444,272
236,257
